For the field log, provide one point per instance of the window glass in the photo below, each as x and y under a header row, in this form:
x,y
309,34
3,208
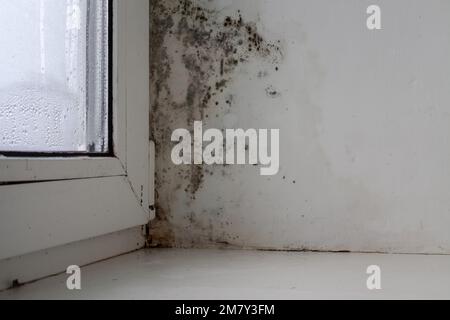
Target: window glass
x,y
54,76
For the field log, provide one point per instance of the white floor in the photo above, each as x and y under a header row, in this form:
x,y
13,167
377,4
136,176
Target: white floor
x,y
228,274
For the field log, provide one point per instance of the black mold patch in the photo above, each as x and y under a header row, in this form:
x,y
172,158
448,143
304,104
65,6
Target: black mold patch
x,y
209,48
272,92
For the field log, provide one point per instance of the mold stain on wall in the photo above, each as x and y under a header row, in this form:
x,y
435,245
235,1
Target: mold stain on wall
x,y
195,53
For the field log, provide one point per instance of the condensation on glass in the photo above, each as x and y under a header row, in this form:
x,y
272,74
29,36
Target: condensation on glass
x,y
54,76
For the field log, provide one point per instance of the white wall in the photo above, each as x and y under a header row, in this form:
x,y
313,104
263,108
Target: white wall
x,y
364,119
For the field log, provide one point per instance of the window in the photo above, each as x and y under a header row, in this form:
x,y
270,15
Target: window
x,y
54,82
76,160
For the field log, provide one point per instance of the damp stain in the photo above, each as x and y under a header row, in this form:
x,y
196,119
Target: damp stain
x,y
208,48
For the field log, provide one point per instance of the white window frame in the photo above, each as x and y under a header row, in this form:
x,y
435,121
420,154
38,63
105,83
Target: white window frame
x,y
49,202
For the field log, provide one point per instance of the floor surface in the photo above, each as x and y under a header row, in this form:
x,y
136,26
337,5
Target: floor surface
x,y
230,274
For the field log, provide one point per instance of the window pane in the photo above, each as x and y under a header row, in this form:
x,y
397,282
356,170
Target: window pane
x,y
54,75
